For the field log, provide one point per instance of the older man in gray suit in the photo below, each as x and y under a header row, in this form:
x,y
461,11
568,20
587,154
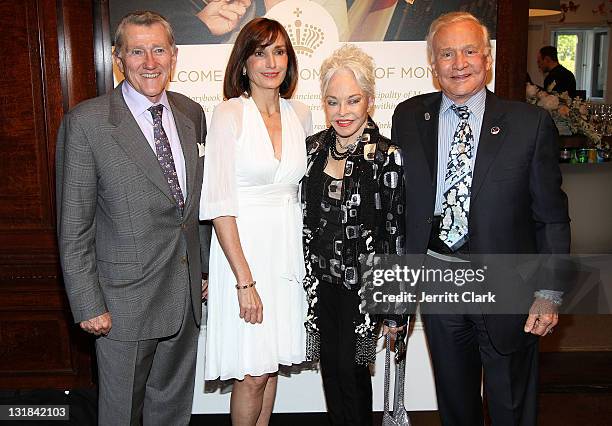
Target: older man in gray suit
x,y
129,173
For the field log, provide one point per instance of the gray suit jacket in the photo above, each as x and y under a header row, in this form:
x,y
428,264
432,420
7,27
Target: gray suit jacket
x,y
124,247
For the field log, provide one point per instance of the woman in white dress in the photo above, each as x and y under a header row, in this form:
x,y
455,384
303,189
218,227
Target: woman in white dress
x,y
255,158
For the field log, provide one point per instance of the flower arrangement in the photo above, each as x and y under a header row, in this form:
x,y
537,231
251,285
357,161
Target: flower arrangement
x,y
566,112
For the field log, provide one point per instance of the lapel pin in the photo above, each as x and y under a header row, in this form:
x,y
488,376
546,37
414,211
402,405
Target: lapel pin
x,y
201,150
495,130
427,116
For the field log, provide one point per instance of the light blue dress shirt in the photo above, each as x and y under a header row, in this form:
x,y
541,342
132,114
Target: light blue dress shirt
x,y
139,105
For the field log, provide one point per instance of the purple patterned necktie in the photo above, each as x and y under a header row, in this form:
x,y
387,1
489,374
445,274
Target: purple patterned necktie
x,y
458,180
164,156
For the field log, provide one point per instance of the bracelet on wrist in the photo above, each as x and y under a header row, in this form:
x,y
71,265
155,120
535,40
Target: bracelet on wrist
x,y
246,285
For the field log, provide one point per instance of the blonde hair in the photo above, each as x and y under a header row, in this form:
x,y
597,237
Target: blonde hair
x,y
452,18
351,58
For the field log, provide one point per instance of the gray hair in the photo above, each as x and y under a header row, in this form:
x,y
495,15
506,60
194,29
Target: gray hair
x,y
144,18
451,18
351,58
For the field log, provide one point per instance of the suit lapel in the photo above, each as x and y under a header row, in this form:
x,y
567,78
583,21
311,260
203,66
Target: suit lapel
x,y
187,135
492,137
129,136
427,122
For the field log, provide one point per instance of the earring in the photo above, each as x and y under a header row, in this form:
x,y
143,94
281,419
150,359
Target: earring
x,y
243,70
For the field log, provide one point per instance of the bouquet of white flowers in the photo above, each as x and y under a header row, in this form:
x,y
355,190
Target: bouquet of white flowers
x,y
568,113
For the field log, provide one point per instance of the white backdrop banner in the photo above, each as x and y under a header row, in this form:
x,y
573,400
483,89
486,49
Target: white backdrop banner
x,y
402,69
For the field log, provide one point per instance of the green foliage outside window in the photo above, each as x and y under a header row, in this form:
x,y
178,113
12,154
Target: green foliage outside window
x,y
567,45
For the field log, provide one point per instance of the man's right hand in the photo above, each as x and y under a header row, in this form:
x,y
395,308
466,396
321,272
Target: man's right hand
x,y
99,325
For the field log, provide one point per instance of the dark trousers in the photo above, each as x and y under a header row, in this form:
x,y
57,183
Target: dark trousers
x,y
347,385
462,354
463,357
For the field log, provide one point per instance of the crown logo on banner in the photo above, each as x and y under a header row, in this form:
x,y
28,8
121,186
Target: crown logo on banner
x,y
306,38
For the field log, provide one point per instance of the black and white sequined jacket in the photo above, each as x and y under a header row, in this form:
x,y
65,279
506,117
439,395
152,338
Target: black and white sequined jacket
x,y
372,202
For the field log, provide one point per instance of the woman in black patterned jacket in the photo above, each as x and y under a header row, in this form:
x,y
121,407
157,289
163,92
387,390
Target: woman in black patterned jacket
x,y
353,204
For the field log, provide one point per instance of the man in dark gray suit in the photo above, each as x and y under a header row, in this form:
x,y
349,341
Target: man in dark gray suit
x,y
129,174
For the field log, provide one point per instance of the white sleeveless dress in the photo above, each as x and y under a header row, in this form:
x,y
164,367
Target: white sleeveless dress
x,y
242,178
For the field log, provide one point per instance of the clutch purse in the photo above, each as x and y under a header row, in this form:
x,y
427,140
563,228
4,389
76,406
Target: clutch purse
x,y
400,415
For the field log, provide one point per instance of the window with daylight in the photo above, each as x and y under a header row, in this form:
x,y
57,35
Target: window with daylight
x,y
585,53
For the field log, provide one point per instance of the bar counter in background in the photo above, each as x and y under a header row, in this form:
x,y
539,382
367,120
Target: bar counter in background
x,y
577,149
589,191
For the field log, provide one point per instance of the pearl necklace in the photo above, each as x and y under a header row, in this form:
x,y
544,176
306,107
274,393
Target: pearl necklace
x,y
342,155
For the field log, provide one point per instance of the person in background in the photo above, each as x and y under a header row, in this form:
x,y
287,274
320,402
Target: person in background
x,y
129,176
483,178
352,202
558,78
255,158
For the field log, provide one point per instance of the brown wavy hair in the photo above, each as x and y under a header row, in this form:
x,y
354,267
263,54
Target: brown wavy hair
x,y
257,33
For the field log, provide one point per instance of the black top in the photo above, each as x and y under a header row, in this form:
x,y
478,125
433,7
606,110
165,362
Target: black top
x,y
371,200
563,79
326,244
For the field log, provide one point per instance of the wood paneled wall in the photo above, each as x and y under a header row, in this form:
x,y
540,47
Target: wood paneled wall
x,y
47,67
511,48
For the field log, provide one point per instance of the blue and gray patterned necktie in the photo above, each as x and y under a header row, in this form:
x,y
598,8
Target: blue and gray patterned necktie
x,y
164,156
458,181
